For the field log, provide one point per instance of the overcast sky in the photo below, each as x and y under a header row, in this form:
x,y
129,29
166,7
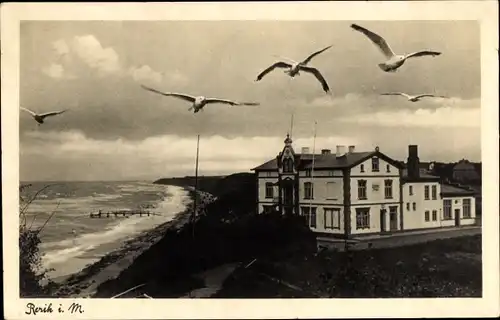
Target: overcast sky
x,y
115,130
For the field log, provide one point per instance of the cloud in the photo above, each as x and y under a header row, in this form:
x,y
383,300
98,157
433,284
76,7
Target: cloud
x,y
442,117
55,71
61,47
145,73
87,51
90,50
71,155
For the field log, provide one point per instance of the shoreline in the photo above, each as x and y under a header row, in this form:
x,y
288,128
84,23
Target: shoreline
x,y
85,282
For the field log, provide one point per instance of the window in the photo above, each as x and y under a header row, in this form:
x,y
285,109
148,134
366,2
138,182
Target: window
x,y
434,215
363,218
330,191
375,164
434,192
388,168
414,206
466,208
361,189
447,210
332,218
426,192
269,190
362,168
407,206
287,165
310,214
308,172
427,218
411,190
388,189
308,190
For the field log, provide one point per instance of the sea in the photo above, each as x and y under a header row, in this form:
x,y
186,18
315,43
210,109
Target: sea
x,y
71,239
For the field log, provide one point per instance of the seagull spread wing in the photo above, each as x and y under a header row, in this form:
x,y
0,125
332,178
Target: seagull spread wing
x,y
308,59
396,94
422,53
29,111
318,76
376,39
172,94
53,113
428,95
230,102
217,100
279,64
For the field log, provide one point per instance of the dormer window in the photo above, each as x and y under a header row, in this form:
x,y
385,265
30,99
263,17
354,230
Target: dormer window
x,y
375,165
287,165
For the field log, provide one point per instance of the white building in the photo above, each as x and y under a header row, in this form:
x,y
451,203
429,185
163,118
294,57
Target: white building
x,y
350,193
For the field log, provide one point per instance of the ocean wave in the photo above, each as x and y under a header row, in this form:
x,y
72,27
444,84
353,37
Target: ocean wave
x,y
88,247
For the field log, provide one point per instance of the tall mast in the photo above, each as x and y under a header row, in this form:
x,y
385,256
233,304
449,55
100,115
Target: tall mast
x,y
291,126
312,174
196,183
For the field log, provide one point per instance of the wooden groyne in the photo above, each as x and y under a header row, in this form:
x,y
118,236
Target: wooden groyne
x,y
121,213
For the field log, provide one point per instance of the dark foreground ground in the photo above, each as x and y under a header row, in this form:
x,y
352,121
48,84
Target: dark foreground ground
x,y
441,268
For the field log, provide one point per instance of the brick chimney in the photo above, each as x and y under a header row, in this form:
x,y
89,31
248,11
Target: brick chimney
x,y
305,150
340,151
351,149
326,151
413,165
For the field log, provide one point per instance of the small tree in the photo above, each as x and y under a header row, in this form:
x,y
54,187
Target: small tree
x,y
31,272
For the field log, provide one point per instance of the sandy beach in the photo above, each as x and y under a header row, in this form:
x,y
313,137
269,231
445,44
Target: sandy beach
x,y
85,282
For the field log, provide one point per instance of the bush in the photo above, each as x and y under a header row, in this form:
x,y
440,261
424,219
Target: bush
x,y
31,272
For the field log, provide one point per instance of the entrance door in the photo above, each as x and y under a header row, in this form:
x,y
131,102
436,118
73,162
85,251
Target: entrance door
x,y
288,199
457,217
393,220
382,220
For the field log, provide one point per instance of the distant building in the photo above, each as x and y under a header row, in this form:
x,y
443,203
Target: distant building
x,y
351,193
465,171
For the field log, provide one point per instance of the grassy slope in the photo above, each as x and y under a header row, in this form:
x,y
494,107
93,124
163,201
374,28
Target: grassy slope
x,y
285,251
220,237
442,268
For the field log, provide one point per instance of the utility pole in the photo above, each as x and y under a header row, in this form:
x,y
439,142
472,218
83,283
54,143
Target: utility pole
x,y
312,176
195,205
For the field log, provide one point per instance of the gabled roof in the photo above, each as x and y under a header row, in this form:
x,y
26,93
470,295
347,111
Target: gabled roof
x,y
464,165
455,191
424,176
329,161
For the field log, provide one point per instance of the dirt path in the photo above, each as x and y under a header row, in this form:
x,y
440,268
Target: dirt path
x,y
214,278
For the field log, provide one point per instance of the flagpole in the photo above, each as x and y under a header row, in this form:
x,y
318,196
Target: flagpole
x,y
291,126
312,175
196,184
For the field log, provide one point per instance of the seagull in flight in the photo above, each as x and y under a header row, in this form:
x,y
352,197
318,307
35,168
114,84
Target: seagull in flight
x,y
199,102
41,117
411,98
394,61
293,68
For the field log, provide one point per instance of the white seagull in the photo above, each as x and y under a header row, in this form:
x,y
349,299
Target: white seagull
x,y
200,101
394,61
293,68
41,117
411,98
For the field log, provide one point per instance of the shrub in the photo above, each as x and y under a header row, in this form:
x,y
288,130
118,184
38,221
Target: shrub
x,y
31,272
